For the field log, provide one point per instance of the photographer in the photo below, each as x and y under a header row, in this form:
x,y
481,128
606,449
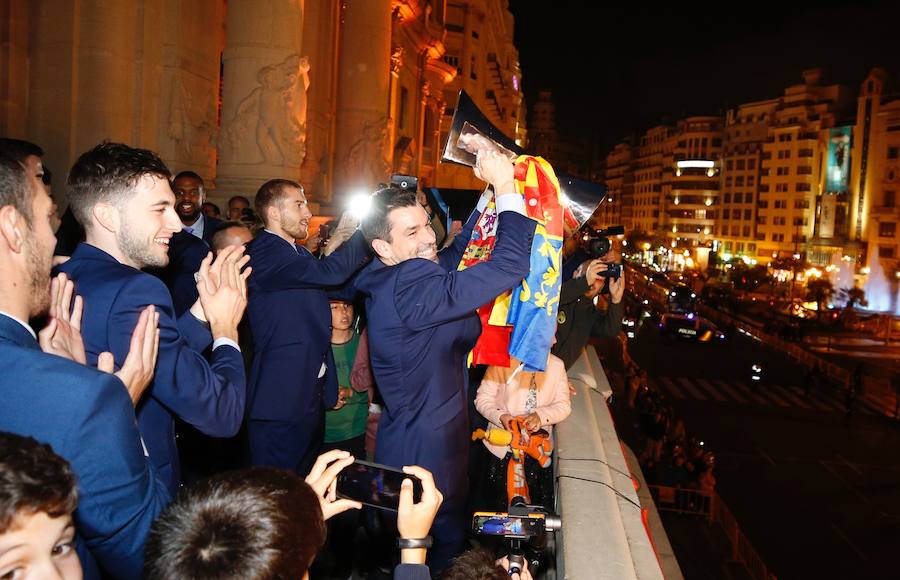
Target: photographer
x,y
578,318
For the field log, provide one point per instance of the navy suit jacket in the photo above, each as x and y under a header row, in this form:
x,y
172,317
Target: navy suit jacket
x,y
210,225
208,395
87,417
186,251
291,324
423,323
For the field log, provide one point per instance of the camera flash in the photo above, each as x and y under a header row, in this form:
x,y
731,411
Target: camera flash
x,y
359,205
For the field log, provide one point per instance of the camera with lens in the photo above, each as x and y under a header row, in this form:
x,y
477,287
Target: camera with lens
x,y
522,526
597,244
405,182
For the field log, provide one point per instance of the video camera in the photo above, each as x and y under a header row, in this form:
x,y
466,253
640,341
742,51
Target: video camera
x,y
521,523
597,244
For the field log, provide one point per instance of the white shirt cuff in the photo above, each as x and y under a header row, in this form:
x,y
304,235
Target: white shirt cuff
x,y
515,202
322,371
225,341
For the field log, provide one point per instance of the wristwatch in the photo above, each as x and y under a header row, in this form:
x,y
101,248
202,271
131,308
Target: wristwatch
x,y
407,543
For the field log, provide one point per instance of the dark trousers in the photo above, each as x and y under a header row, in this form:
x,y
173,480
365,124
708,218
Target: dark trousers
x,y
290,445
449,531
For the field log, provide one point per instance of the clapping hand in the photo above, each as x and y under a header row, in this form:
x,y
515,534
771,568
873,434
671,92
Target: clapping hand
x,y
323,479
62,335
222,285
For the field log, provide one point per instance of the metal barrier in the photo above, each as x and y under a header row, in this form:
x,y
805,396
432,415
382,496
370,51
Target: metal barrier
x,y
711,507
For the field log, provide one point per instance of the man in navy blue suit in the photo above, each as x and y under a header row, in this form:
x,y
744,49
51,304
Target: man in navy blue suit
x,y
84,414
188,247
190,194
290,318
122,197
422,321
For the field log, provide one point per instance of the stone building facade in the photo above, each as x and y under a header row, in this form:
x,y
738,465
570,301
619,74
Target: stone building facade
x,y
337,94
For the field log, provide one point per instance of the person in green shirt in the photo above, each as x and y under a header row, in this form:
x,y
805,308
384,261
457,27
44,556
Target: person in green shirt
x,y
345,424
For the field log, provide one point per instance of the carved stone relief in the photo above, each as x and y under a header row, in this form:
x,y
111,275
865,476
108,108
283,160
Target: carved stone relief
x,y
366,161
270,124
191,122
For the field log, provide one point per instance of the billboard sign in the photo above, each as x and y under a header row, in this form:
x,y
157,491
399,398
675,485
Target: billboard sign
x,y
837,176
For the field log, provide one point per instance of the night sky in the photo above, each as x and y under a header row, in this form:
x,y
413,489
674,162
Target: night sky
x,y
620,68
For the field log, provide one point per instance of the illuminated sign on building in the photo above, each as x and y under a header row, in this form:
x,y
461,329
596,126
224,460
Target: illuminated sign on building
x,y
837,177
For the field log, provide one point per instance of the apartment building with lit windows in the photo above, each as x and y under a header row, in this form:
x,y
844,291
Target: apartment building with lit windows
x,y
618,207
691,181
745,133
874,211
647,197
803,125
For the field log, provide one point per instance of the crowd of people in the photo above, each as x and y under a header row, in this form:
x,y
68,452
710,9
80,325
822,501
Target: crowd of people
x,y
195,386
669,456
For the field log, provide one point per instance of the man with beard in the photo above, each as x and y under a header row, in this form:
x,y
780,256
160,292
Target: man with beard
x,y
293,367
423,322
84,414
189,198
122,197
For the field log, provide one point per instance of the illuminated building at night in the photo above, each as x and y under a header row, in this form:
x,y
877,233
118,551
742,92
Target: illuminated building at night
x,y
335,94
813,173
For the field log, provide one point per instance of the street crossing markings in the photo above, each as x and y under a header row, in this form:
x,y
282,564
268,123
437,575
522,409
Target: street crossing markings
x,y
671,388
732,392
691,388
769,391
740,392
717,395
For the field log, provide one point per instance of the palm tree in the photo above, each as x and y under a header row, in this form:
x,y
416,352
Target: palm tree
x,y
853,296
820,291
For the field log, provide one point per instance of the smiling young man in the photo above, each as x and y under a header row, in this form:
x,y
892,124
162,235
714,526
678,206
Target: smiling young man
x,y
86,415
423,322
122,197
293,376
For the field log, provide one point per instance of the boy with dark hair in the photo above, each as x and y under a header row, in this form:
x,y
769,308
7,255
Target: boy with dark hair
x,y
268,524
37,499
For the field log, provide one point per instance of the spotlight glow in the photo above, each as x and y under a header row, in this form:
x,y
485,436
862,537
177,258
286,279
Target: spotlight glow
x,y
359,205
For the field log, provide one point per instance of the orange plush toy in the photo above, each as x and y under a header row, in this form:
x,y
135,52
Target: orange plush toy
x,y
537,445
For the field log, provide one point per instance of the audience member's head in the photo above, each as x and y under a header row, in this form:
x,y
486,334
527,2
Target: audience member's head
x,y
475,564
341,316
122,197
29,155
26,238
211,210
231,233
254,524
37,498
188,188
236,207
281,205
398,228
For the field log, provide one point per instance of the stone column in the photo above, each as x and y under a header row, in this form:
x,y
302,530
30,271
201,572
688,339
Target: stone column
x,y
14,24
263,128
321,33
363,125
95,75
192,45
